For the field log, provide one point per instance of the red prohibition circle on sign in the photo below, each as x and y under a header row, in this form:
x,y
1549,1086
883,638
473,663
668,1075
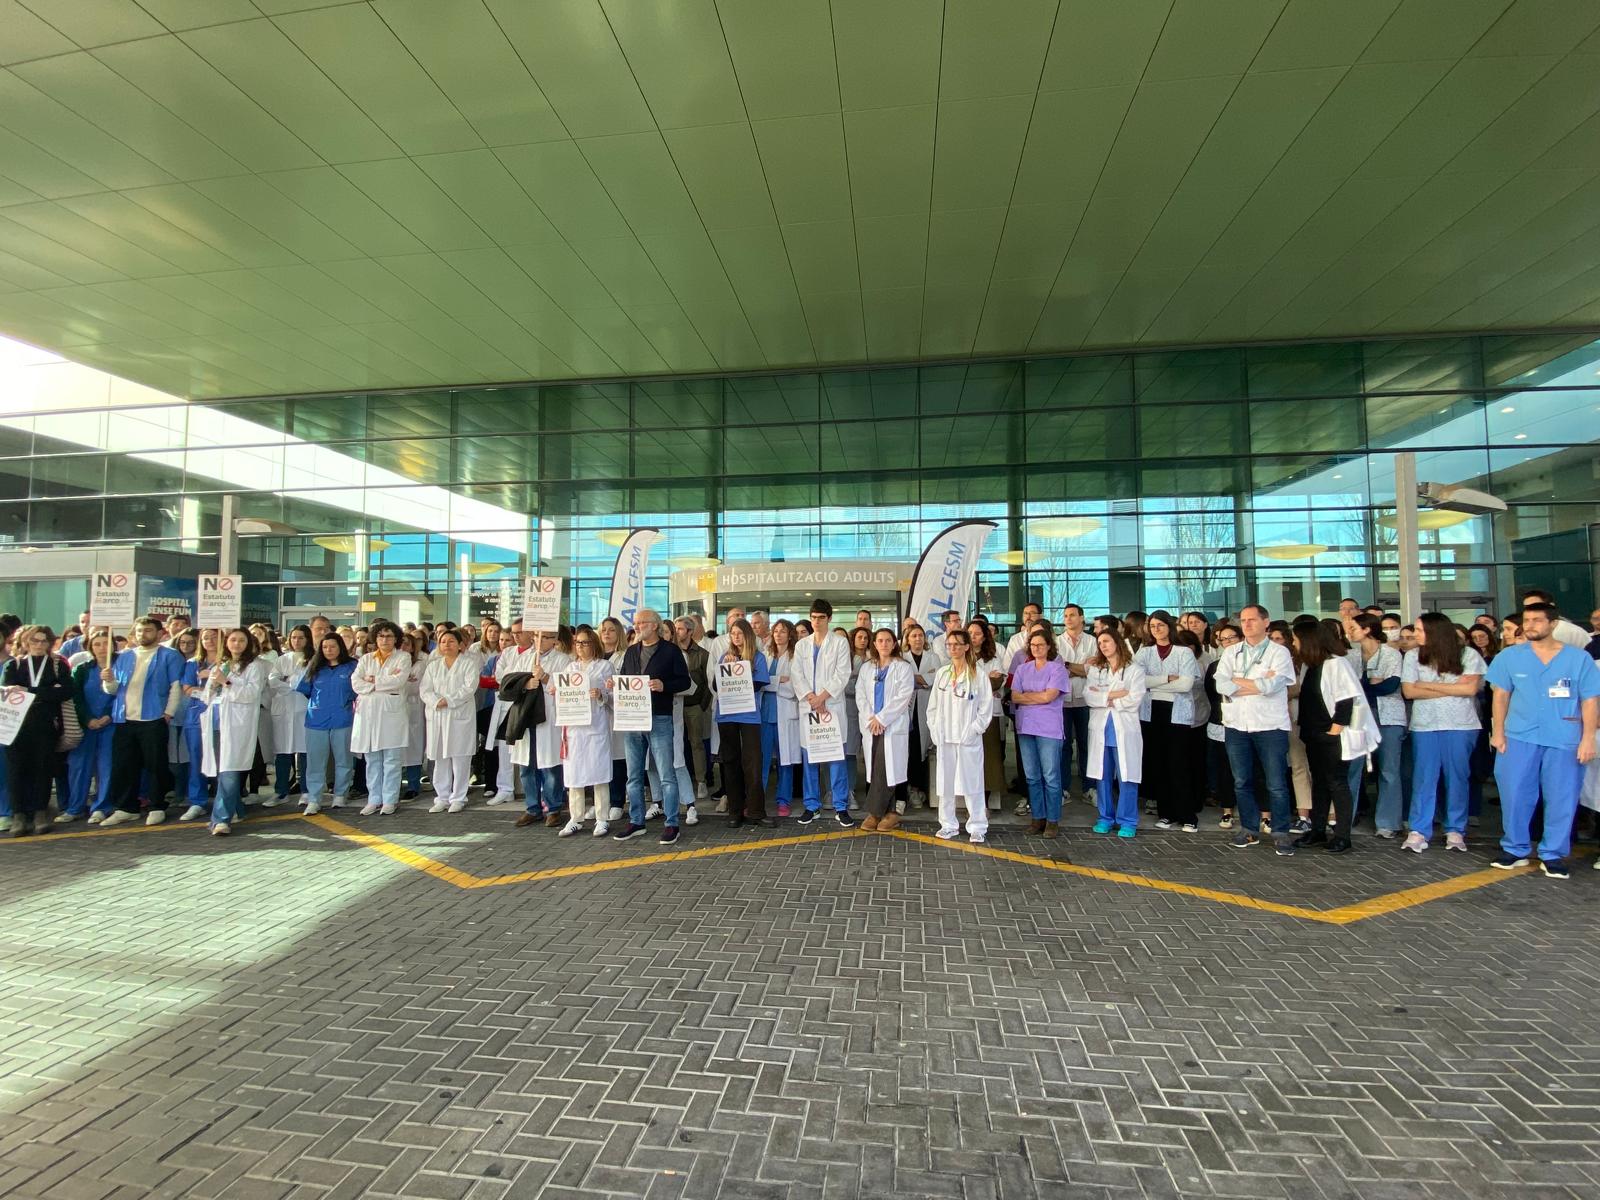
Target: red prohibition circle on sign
x,y
544,585
15,697
225,584
119,581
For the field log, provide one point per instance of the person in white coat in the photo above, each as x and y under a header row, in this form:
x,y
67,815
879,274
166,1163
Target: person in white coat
x,y
1172,685
924,666
231,724
885,697
288,714
1115,691
586,749
820,676
786,710
415,755
449,691
382,727
613,645
1336,726
960,707
539,753
515,644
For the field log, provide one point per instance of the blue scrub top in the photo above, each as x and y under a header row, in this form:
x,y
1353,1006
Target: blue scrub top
x,y
1535,716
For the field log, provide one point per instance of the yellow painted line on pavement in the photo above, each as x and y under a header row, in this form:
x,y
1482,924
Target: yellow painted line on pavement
x,y
62,833
409,858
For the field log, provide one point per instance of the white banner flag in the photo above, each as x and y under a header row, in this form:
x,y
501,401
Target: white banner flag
x,y
945,574
627,577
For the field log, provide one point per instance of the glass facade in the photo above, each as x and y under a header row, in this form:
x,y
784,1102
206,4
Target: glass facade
x,y
1190,478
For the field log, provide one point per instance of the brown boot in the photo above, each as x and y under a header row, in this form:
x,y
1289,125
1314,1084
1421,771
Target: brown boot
x,y
21,824
869,823
527,819
888,822
551,820
1036,827
1051,829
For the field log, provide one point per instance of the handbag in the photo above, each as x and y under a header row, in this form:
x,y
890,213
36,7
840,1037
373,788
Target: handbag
x,y
71,727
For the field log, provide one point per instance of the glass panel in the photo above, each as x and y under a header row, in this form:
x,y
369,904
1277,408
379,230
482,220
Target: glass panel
x,y
1077,382
1553,418
687,402
1074,435
1421,365
1408,420
1282,427
677,452
854,395
65,520
584,406
1195,477
1183,375
781,449
1169,430
419,460
990,387
1328,370
494,411
69,475
781,398
337,418
870,445
1537,360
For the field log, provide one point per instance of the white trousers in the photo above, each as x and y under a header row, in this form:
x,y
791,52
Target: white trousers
x,y
451,777
950,779
505,781
575,803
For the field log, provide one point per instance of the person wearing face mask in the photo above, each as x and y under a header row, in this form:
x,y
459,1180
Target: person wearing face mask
x,y
230,725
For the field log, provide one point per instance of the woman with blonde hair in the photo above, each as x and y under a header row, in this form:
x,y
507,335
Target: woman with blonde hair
x,y
740,732
960,707
230,725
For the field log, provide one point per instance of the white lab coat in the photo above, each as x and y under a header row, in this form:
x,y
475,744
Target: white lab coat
x,y
957,716
264,730
1339,681
1180,661
1076,652
544,746
416,724
382,721
852,713
995,666
899,688
288,705
829,673
788,710
1122,712
231,721
586,756
929,668
619,746
452,731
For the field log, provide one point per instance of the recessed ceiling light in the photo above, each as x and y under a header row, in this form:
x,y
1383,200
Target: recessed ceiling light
x,y
1442,411
1338,476
1509,408
1519,437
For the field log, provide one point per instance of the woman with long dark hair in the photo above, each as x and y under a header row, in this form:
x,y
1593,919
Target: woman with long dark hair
x,y
1335,725
32,757
1442,679
230,725
986,656
330,713
288,712
1172,680
1115,691
885,696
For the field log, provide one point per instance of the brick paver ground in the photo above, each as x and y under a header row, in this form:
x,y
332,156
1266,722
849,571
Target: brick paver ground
x,y
290,1015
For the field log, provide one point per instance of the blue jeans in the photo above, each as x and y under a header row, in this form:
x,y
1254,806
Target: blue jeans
x,y
1041,765
90,760
320,743
1075,732
383,776
1268,748
1391,810
229,785
541,790
1440,753
657,745
1524,773
286,764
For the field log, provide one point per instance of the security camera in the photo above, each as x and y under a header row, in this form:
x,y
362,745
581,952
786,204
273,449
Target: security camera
x,y
1452,498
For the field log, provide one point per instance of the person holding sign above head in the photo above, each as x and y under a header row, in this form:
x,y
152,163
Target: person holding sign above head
x,y
661,663
36,682
584,715
738,681
885,701
449,691
1115,691
230,725
960,707
382,725
820,674
147,682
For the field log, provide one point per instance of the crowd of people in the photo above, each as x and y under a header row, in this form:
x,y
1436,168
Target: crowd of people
x,y
1286,728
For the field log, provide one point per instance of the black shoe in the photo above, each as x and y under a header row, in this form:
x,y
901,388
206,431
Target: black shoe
x,y
669,835
846,821
734,822
767,823
1338,845
409,794
1508,862
806,817
1317,837
1556,868
628,832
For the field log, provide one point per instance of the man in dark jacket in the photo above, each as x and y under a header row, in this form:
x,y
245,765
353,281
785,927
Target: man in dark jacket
x,y
669,674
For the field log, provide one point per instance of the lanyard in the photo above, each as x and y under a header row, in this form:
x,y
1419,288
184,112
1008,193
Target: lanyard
x,y
36,674
1251,663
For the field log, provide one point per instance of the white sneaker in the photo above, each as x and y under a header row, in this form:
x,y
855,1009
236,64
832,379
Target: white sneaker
x,y
601,828
900,808
118,817
1414,842
1455,841
439,805
386,811
690,816
948,834
570,828
653,811
156,816
193,813
220,829
614,813
501,798
370,810
457,806
975,838
337,802
273,801
313,808
95,818
65,818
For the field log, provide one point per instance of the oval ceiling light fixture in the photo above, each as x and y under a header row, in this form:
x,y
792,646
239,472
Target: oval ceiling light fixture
x,y
689,563
613,537
1428,518
489,568
344,543
1065,527
1022,558
1293,550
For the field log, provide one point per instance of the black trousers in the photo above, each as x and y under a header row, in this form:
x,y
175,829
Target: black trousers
x,y
740,756
137,747
32,761
1330,784
1221,773
1170,767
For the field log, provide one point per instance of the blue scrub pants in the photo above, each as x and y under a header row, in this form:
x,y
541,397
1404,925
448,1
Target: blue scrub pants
x,y
90,760
1075,734
1436,754
1391,810
1122,808
1270,749
195,790
769,749
1041,767
1525,771
838,780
